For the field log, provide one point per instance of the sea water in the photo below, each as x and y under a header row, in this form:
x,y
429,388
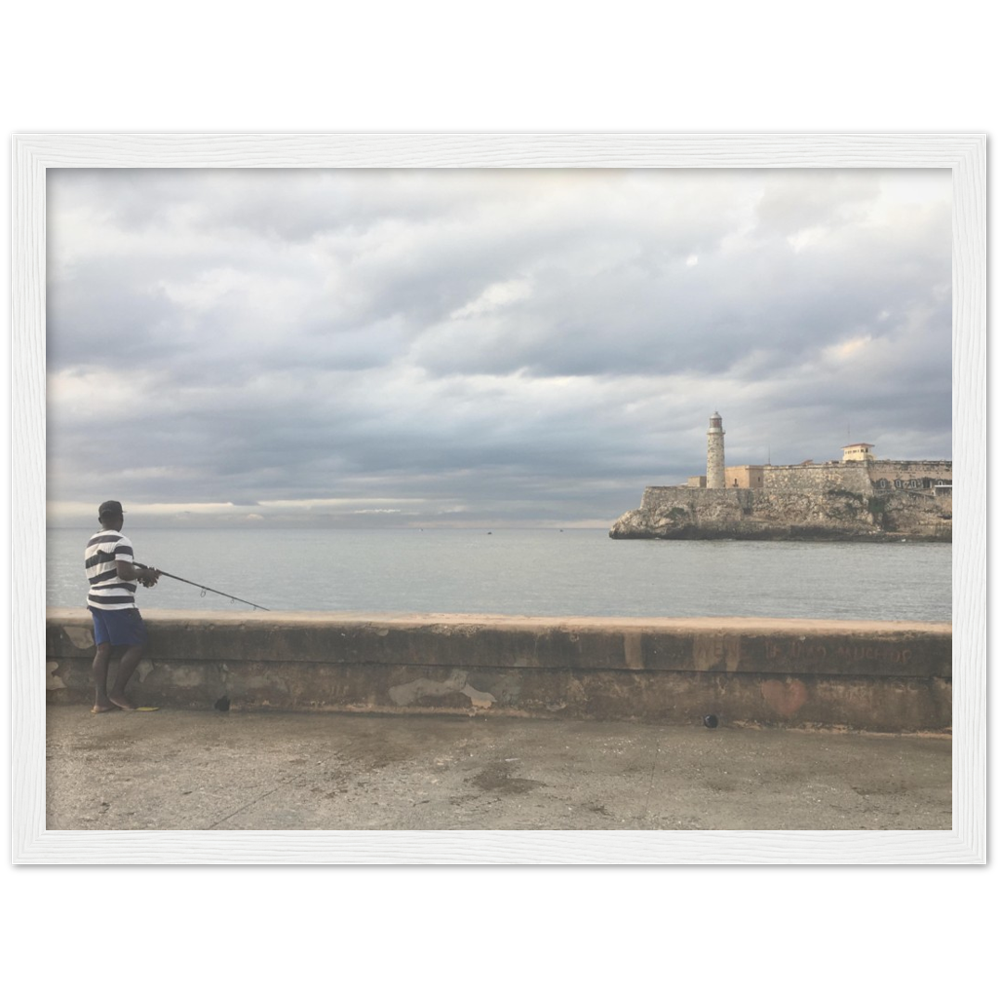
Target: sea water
x,y
521,572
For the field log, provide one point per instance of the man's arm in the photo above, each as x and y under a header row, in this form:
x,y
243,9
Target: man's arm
x,y
147,576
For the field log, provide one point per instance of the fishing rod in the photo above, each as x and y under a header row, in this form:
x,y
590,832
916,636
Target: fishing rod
x,y
203,588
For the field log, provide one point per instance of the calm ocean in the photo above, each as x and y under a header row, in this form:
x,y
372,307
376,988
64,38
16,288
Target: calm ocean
x,y
521,572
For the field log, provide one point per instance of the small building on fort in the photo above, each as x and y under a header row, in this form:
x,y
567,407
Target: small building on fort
x,y
859,453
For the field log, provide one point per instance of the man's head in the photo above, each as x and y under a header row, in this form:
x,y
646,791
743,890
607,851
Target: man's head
x,y
111,515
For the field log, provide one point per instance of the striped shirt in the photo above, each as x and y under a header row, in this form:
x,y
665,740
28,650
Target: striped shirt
x,y
107,589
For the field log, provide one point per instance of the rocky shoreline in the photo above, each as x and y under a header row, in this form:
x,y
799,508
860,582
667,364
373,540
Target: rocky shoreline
x,y
836,515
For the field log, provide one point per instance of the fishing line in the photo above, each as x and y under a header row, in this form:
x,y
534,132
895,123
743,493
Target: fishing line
x,y
203,588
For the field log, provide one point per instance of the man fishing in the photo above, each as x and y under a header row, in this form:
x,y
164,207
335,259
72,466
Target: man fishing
x,y
113,573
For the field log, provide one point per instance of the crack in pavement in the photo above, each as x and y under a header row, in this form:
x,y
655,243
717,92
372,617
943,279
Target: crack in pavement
x,y
270,791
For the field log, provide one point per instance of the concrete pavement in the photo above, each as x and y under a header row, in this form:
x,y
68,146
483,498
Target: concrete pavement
x,y
178,769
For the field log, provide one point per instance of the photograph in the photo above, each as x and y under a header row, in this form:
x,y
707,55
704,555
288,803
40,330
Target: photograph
x,y
580,498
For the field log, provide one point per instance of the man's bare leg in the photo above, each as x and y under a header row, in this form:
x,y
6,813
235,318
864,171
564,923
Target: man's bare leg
x,y
129,661
102,703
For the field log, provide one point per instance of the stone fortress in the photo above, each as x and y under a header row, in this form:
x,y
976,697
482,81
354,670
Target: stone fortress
x,y
856,498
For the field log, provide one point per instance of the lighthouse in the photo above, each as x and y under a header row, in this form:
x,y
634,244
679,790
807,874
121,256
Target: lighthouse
x,y
715,478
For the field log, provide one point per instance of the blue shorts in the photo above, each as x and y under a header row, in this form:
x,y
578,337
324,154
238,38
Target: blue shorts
x,y
119,628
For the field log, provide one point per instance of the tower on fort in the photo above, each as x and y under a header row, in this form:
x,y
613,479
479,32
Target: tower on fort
x,y
715,478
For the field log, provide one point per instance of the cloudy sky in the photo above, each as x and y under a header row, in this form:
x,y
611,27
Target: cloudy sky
x,y
482,347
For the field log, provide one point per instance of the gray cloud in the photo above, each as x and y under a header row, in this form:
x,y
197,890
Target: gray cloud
x,y
520,345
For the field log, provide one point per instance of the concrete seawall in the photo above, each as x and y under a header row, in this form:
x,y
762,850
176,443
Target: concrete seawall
x,y
889,676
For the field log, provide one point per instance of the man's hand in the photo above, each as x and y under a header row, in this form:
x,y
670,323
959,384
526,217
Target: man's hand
x,y
146,575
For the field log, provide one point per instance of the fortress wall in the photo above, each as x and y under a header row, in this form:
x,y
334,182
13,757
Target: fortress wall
x,y
654,497
853,477
910,470
818,478
890,676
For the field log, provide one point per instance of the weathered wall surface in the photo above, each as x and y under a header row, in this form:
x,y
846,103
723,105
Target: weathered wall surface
x,y
817,478
893,470
873,675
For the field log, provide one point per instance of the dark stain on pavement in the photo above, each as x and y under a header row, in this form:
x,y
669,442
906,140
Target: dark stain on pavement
x,y
497,778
